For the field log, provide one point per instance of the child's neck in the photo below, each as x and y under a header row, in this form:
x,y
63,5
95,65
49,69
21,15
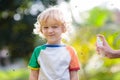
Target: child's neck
x,y
55,43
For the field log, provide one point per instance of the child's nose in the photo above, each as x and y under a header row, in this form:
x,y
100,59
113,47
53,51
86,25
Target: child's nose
x,y
50,29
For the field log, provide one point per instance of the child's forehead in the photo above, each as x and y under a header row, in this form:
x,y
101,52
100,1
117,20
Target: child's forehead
x,y
52,22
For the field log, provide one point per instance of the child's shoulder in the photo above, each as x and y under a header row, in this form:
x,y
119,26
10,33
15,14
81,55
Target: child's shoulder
x,y
71,49
69,46
40,47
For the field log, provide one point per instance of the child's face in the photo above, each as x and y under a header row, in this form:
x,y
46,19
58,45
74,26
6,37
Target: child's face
x,y
52,32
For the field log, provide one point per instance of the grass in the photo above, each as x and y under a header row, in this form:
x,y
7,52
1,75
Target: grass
x,y
21,74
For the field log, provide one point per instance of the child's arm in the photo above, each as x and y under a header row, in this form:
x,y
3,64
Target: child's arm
x,y
74,64
34,75
73,75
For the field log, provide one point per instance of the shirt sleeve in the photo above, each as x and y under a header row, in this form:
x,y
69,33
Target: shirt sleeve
x,y
74,63
33,63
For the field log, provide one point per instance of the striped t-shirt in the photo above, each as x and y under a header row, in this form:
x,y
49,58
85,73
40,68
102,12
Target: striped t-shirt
x,y
54,61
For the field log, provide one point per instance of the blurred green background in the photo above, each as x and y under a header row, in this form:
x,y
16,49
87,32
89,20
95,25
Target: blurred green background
x,y
17,41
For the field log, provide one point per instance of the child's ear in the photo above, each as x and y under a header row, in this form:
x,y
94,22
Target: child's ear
x,y
64,29
41,30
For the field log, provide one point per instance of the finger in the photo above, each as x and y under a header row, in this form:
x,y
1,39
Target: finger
x,y
103,39
98,50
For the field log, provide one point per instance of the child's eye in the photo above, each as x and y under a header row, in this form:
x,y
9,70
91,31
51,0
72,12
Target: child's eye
x,y
54,26
45,27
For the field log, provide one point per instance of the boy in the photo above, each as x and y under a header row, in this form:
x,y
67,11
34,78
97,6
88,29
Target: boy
x,y
53,60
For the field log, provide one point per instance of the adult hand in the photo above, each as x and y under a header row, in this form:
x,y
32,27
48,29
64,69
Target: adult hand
x,y
105,49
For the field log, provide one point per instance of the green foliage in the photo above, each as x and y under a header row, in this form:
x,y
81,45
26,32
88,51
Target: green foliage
x,y
98,17
16,35
47,3
14,75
